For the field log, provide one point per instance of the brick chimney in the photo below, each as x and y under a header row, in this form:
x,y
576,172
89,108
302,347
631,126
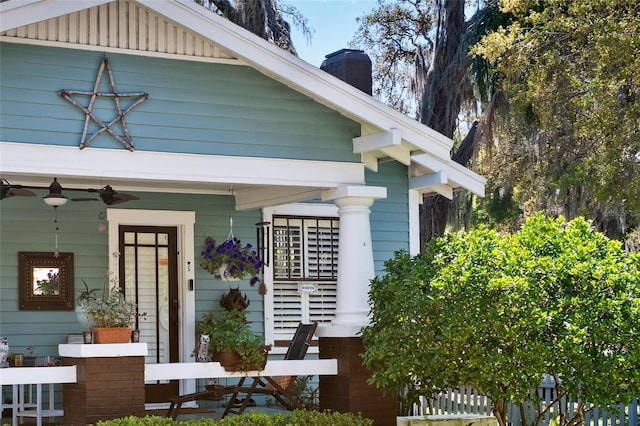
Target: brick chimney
x,y
351,66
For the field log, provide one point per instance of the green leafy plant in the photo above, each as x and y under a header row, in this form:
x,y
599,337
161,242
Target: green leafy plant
x,y
259,418
86,295
499,312
302,391
109,310
240,261
141,421
229,331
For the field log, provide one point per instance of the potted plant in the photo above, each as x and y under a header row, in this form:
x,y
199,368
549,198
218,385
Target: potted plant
x,y
232,343
83,300
110,315
29,360
231,260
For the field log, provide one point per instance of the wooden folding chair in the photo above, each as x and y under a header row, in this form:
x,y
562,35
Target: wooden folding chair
x,y
279,387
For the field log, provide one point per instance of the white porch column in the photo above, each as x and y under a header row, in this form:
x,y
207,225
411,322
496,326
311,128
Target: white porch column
x,y
355,258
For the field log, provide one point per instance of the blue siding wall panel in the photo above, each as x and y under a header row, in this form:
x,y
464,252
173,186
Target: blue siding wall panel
x,y
193,107
389,216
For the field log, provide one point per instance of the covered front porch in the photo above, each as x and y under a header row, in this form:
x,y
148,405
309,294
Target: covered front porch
x,y
194,206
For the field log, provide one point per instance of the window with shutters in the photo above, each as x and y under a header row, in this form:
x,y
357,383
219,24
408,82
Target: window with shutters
x,y
305,268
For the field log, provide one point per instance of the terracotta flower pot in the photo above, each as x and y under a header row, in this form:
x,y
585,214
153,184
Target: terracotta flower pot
x,y
111,335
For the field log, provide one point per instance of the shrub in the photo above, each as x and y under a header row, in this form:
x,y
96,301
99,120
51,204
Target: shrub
x,y
499,312
138,421
326,418
257,418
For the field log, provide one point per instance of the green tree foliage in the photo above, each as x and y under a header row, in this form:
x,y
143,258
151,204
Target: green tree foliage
x,y
570,138
501,311
398,36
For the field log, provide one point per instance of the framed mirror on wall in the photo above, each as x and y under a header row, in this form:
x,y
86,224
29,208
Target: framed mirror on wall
x,y
45,282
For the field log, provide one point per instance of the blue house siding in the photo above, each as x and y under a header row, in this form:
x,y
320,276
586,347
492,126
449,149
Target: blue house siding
x,y
193,107
389,216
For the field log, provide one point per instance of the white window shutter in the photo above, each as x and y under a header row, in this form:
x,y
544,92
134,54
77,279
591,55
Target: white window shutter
x,y
305,253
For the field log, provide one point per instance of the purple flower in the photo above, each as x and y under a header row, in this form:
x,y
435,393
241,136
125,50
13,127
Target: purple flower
x,y
241,261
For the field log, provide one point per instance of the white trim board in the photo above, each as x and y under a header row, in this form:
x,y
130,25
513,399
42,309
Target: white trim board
x,y
254,181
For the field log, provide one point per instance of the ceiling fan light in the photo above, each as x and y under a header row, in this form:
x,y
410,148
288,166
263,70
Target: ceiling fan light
x,y
55,200
55,197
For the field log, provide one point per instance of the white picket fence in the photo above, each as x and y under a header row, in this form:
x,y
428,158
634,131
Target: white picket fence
x,y
466,400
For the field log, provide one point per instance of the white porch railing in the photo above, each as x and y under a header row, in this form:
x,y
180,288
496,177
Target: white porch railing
x,y
206,370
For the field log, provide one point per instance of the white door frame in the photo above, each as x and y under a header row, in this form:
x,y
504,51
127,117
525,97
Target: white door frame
x,y
184,221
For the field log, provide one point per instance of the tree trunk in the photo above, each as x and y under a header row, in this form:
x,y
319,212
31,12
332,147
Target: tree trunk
x,y
442,101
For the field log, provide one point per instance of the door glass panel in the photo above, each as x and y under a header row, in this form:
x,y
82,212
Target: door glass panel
x,y
148,270
151,295
129,237
163,305
146,238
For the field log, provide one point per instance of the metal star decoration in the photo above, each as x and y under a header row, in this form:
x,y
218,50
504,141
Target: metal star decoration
x,y
90,115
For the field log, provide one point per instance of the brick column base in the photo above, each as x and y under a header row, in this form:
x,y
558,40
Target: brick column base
x,y
349,391
106,388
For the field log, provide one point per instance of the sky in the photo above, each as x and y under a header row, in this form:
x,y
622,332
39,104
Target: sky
x,y
334,25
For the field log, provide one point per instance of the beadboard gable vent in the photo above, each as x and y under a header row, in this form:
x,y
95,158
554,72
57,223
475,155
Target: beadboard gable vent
x,y
120,25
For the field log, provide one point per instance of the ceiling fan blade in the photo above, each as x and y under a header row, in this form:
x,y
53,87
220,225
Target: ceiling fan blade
x,y
125,197
7,190
21,192
116,201
111,197
118,198
85,199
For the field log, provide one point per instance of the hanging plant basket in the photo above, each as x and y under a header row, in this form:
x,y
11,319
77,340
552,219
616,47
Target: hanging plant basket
x,y
231,260
225,275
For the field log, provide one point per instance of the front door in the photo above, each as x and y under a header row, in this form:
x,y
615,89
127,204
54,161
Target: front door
x,y
149,276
